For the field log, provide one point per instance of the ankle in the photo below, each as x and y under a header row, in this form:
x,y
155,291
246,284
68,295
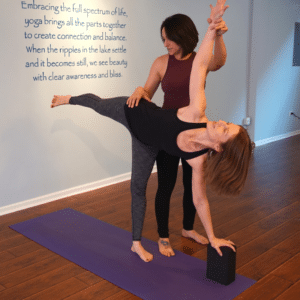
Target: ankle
x,y
136,243
164,239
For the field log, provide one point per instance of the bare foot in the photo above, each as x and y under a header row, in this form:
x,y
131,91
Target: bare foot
x,y
141,252
60,100
165,247
192,234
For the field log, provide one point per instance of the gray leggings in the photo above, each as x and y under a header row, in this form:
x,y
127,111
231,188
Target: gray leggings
x,y
143,156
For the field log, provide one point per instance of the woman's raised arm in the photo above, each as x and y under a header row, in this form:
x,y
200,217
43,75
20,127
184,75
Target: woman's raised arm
x,y
203,57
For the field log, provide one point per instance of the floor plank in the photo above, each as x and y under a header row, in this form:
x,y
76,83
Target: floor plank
x,y
24,261
89,278
290,270
266,289
60,291
264,264
41,283
291,294
6,256
101,290
290,245
33,270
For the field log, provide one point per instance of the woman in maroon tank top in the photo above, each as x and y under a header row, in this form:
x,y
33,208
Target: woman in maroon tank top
x,y
173,70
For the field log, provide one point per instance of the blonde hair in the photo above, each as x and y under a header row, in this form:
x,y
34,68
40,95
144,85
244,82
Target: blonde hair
x,y
226,171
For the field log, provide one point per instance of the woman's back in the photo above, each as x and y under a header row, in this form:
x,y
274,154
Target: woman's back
x,y
159,127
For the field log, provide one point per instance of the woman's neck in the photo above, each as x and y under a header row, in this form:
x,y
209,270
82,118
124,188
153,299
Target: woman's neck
x,y
201,137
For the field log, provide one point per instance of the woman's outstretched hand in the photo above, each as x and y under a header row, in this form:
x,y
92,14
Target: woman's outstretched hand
x,y
135,98
217,243
218,11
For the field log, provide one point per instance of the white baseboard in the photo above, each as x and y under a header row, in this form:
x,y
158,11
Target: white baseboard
x,y
276,138
66,193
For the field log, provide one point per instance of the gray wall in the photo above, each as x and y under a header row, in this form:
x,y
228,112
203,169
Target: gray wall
x,y
46,151
274,82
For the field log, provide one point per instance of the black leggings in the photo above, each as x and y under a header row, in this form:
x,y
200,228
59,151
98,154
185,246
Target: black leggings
x,y
167,166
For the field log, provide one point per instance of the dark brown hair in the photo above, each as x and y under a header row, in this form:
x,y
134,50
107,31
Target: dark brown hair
x,y
181,30
226,171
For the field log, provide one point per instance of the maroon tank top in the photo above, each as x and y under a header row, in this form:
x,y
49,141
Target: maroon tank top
x,y
176,81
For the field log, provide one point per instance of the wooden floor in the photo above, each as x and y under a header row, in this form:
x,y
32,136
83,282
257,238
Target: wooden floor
x,y
264,222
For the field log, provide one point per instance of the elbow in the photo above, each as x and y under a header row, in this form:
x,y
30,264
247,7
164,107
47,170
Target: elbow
x,y
218,64
218,67
222,62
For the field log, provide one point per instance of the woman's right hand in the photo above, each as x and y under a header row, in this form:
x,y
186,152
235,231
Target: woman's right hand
x,y
217,243
135,98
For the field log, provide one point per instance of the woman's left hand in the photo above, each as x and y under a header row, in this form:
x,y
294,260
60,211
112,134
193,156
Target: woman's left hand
x,y
135,98
217,243
218,11
221,28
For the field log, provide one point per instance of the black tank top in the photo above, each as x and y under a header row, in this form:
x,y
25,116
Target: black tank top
x,y
160,127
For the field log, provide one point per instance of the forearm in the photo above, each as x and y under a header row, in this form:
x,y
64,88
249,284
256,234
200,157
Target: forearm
x,y
199,193
205,52
149,92
154,77
203,211
220,54
200,69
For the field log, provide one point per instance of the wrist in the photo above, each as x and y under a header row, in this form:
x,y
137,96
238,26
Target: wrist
x,y
146,93
211,33
211,238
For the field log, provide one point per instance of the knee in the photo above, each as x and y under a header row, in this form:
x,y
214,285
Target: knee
x,y
138,190
165,188
166,182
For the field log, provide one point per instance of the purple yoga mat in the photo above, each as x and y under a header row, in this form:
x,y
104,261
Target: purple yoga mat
x,y
104,250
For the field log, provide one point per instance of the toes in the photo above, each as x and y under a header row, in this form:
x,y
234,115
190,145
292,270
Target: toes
x,y
146,257
167,252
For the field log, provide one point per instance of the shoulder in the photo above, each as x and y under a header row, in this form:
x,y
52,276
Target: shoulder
x,y
161,61
160,64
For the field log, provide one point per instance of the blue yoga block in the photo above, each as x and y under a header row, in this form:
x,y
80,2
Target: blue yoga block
x,y
221,268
